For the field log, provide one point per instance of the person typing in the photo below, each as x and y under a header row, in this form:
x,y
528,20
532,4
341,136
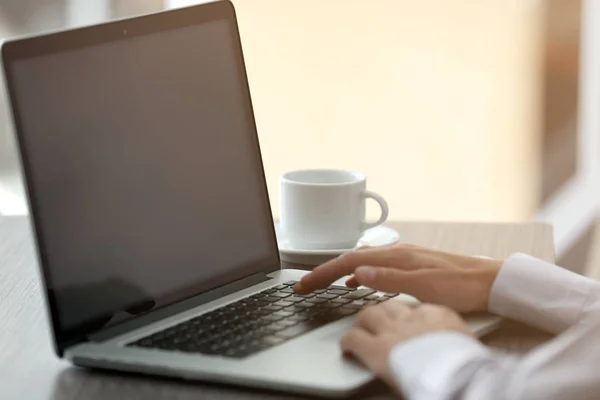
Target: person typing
x,y
427,352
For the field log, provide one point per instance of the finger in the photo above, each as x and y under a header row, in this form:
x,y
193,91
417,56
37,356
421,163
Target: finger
x,y
396,309
363,248
360,344
352,282
414,283
325,274
373,319
429,310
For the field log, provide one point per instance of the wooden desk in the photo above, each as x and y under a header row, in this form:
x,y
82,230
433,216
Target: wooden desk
x,y
29,369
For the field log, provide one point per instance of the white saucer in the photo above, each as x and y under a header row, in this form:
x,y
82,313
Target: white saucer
x,y
380,236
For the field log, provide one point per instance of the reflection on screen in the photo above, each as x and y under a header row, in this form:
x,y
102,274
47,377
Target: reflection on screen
x,y
143,159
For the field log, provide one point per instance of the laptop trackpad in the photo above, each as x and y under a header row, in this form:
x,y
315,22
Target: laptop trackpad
x,y
337,332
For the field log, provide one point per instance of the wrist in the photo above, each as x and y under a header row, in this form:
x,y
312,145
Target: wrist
x,y
487,276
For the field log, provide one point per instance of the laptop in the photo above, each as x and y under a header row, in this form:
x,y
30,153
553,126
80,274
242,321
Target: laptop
x,y
150,211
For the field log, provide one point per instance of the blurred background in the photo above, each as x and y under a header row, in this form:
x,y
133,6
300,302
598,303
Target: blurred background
x,y
457,110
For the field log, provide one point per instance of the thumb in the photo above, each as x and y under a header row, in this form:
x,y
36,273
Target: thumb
x,y
392,280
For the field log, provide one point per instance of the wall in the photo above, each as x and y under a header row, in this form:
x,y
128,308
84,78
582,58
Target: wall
x,y
436,101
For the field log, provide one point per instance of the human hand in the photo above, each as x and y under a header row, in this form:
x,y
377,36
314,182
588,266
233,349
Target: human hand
x,y
460,282
377,329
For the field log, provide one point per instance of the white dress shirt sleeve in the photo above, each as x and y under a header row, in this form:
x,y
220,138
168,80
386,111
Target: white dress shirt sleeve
x,y
539,293
445,365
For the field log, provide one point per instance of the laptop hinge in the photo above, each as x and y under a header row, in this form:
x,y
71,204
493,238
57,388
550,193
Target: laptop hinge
x,y
178,307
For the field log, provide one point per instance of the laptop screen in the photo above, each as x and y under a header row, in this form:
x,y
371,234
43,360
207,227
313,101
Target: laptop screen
x,y
143,168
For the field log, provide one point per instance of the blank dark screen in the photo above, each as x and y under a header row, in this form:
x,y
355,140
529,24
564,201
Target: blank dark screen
x,y
144,163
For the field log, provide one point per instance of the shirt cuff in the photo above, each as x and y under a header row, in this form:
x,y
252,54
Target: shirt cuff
x,y
538,293
427,366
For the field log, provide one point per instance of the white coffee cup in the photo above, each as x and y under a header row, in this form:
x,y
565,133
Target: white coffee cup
x,y
325,208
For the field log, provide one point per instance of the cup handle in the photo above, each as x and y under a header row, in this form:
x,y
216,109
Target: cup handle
x,y
384,209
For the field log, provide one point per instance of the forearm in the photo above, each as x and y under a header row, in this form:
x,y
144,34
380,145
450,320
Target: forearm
x,y
540,294
449,366
445,366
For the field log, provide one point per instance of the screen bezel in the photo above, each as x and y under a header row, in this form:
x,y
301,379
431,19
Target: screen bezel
x,y
14,50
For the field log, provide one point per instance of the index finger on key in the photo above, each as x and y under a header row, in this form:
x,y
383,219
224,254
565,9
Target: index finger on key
x,y
327,273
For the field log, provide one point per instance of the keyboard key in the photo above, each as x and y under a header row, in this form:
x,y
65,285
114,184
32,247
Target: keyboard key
x,y
315,310
271,317
288,322
360,293
189,347
305,304
341,301
306,296
290,283
315,300
346,288
391,295
276,326
327,317
332,305
344,311
382,299
279,287
247,334
371,297
319,291
326,296
255,323
271,298
271,307
298,317
283,314
294,299
226,343
295,309
283,303
242,347
338,292
269,291
280,294
287,290
209,348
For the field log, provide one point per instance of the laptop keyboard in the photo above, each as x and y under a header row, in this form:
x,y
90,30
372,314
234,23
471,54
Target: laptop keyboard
x,y
261,321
